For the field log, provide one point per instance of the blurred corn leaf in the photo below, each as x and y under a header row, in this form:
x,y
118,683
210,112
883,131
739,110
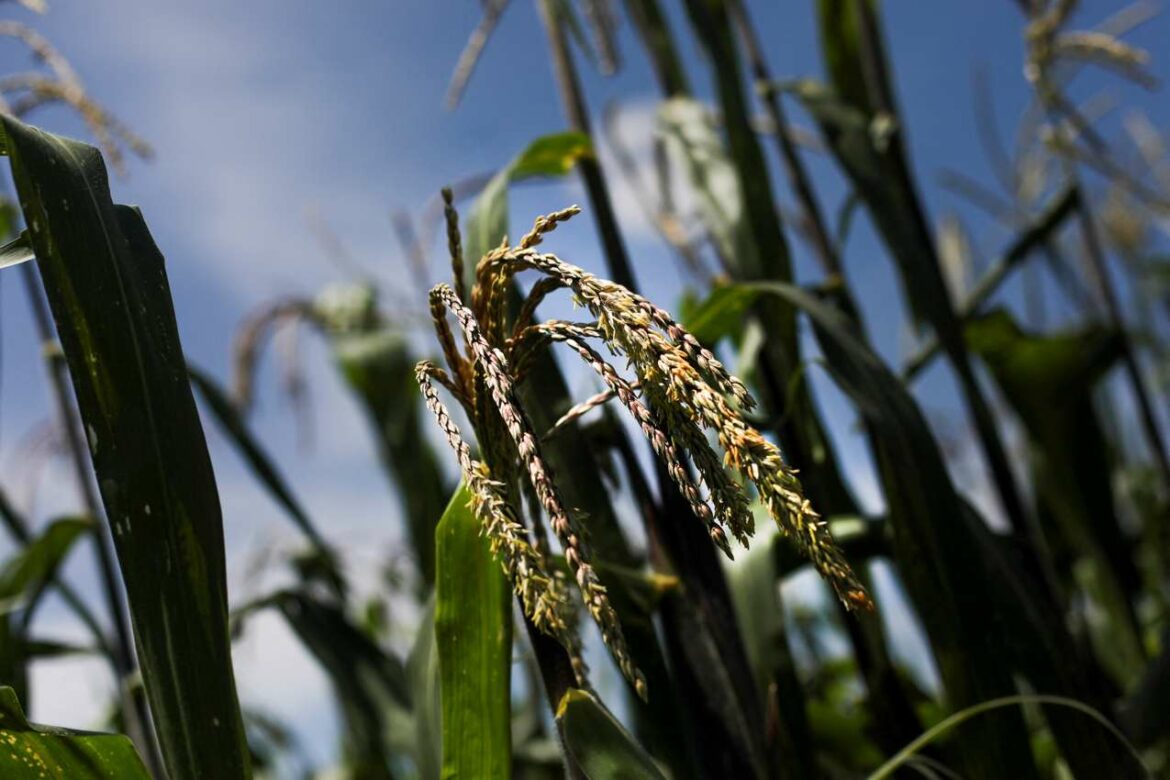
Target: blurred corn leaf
x,y
369,683
17,251
864,146
602,748
1049,381
108,292
969,590
752,580
473,636
720,315
487,224
422,672
378,366
690,131
232,423
29,752
24,578
16,648
27,572
841,46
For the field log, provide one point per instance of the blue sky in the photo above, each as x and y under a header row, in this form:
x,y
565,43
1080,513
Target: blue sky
x,y
264,112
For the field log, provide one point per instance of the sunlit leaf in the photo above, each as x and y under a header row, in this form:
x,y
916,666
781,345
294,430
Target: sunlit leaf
x,y
29,752
473,637
487,224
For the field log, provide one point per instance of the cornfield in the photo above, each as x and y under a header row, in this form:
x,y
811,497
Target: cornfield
x,y
635,541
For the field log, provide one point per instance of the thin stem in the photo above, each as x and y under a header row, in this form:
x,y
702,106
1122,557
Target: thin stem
x,y
651,26
136,714
1108,292
1036,237
569,85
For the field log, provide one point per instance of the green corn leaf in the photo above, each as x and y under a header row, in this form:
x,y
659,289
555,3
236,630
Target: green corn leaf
x,y
24,579
602,748
550,155
108,291
721,313
29,752
30,569
473,636
236,429
841,41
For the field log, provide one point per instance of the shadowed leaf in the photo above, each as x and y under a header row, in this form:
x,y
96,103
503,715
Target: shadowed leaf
x,y
31,568
603,749
108,291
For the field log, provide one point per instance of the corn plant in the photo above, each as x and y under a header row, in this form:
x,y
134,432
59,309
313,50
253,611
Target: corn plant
x,y
1046,624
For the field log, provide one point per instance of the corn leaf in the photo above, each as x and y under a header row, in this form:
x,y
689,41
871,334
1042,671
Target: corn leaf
x,y
232,423
721,313
473,635
1049,381
422,672
840,32
17,251
29,752
550,155
30,569
108,291
369,683
378,366
602,748
24,578
969,589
